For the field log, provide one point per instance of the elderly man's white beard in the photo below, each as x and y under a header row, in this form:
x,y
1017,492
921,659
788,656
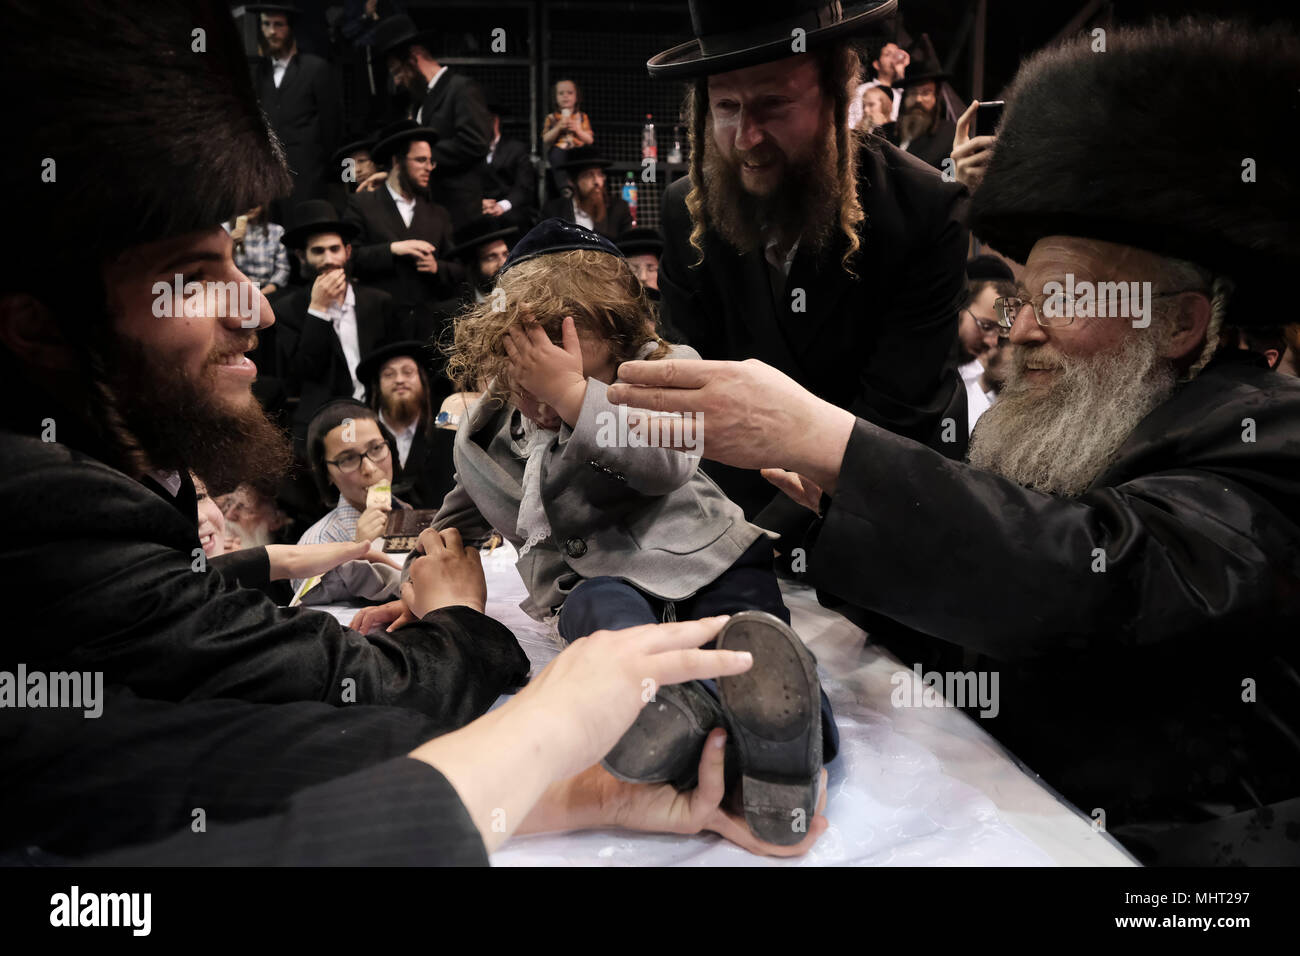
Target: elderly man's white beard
x,y
1058,439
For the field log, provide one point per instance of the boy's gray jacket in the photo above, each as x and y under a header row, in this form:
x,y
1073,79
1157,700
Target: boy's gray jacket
x,y
644,514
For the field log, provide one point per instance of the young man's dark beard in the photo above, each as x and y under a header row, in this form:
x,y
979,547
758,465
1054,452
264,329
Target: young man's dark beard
x,y
593,204
181,424
804,206
409,187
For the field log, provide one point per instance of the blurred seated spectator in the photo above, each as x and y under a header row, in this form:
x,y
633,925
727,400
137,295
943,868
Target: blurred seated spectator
x,y
355,167
590,206
567,127
259,253
482,245
978,334
643,247
510,185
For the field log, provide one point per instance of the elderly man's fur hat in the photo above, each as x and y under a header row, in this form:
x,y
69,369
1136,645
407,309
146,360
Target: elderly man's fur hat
x,y
1147,144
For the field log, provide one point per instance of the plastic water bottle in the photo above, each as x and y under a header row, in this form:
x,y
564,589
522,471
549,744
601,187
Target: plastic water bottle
x,y
649,149
629,194
675,154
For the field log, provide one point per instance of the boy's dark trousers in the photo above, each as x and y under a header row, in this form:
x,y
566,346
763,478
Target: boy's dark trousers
x,y
611,604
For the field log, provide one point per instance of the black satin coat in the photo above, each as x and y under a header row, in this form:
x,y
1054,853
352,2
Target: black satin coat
x,y
216,697
1126,689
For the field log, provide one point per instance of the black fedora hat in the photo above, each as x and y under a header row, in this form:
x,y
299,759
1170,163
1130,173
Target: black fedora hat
x,y
424,354
479,231
639,241
583,157
314,217
396,136
393,33
927,71
557,235
730,35
348,149
288,9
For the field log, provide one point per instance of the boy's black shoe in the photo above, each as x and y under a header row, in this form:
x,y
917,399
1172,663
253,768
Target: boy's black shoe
x,y
773,712
664,744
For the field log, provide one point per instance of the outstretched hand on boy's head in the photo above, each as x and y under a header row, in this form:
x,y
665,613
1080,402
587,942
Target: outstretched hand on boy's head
x,y
546,373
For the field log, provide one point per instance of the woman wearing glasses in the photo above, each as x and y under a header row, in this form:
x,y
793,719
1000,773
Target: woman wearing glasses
x,y
350,453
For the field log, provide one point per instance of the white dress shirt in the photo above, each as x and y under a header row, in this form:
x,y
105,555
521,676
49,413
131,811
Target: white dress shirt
x,y
977,402
278,68
582,219
343,317
405,436
405,207
505,204
419,115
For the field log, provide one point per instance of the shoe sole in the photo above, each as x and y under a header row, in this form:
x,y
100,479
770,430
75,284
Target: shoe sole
x,y
774,712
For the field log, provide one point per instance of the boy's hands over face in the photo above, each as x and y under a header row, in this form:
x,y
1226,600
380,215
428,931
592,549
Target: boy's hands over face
x,y
551,374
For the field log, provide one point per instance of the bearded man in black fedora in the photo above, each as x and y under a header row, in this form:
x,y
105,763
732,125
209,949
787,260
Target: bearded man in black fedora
x,y
326,328
405,385
482,245
301,97
824,252
924,128
591,205
451,104
401,234
1123,548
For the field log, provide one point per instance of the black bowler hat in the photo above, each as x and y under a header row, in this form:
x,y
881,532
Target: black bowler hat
x,y
479,231
393,33
395,137
729,35
640,241
557,235
582,157
424,354
314,217
361,145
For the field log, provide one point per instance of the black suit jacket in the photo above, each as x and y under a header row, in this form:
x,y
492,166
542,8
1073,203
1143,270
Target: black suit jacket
x,y
1123,688
934,148
121,562
306,112
510,175
312,355
429,472
457,109
876,345
618,217
414,293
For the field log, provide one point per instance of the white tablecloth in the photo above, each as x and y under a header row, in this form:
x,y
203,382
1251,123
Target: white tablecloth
x,y
911,786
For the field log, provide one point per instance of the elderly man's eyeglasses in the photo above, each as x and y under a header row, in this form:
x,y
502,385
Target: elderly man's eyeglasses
x,y
1052,310
350,461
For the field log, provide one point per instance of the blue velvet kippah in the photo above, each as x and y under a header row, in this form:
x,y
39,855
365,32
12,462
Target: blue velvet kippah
x,y
556,235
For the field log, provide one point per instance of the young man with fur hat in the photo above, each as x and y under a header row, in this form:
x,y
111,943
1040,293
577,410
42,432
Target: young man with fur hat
x,y
818,249
110,395
1133,497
